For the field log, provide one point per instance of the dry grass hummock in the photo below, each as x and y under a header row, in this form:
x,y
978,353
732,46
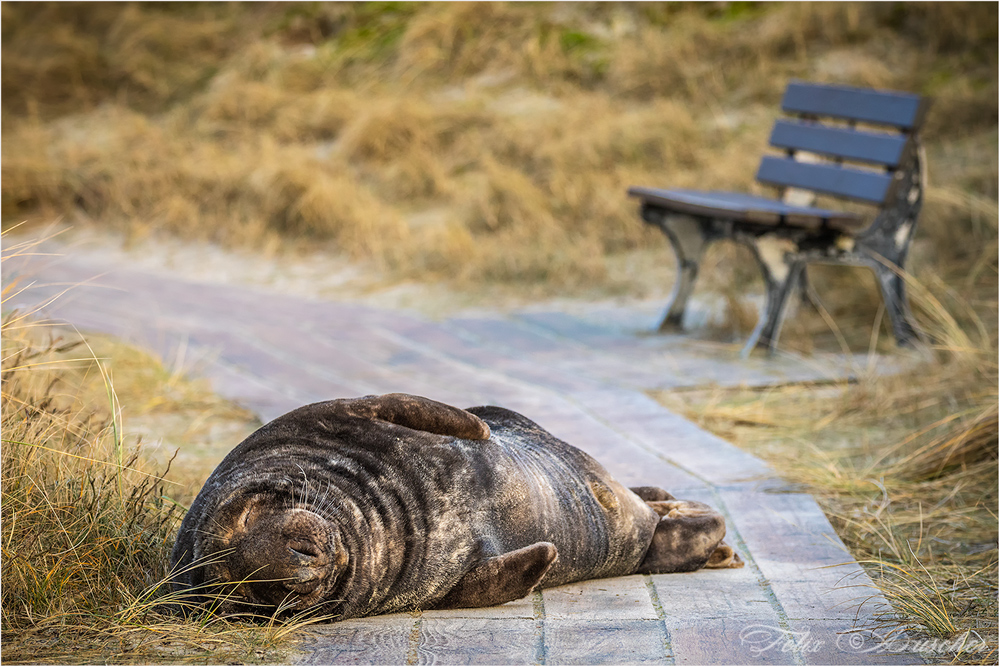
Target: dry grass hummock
x,y
477,144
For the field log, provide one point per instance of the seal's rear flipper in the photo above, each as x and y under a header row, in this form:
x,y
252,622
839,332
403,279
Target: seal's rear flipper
x,y
724,557
418,413
652,493
686,539
503,578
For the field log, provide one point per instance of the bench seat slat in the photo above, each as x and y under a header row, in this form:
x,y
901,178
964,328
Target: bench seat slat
x,y
745,208
902,110
865,186
848,144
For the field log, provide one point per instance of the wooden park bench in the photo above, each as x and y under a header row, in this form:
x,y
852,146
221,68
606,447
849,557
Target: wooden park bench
x,y
878,162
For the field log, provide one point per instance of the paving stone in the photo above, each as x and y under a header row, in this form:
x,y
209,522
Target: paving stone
x,y
838,642
251,392
492,360
613,641
523,609
375,640
644,361
781,513
703,493
714,594
507,334
802,558
630,464
623,598
595,326
731,640
429,361
795,557
790,538
344,365
253,358
675,439
571,328
840,596
479,641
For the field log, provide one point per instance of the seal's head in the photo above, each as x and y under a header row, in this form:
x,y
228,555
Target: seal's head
x,y
317,511
272,555
307,513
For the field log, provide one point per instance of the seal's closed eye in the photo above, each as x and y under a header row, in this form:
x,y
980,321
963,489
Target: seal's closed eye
x,y
419,413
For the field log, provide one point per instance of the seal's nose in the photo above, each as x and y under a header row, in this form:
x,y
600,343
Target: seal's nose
x,y
305,566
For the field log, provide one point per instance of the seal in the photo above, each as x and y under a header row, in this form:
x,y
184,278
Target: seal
x,y
391,503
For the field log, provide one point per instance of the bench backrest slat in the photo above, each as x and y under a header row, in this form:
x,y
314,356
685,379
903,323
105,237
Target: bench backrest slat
x,y
902,110
866,186
841,142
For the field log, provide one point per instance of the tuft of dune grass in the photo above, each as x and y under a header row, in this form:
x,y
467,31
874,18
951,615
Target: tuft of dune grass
x,y
87,529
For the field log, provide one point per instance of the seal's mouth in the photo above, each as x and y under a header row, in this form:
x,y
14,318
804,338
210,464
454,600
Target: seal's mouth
x,y
301,589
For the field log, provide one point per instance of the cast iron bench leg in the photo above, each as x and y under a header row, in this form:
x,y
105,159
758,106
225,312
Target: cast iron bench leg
x,y
687,237
808,293
885,247
897,305
782,274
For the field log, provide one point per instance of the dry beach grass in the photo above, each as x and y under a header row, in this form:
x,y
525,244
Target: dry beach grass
x,y
486,147
475,143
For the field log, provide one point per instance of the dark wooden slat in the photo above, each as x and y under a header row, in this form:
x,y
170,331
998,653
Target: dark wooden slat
x,y
744,208
848,144
898,109
866,186
709,204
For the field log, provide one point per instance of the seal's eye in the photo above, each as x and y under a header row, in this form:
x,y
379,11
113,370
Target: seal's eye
x,y
303,549
249,515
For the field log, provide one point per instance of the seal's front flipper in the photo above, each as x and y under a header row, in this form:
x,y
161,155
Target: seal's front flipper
x,y
503,578
686,538
418,413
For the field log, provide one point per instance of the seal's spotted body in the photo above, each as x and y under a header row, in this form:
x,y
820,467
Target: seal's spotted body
x,y
391,503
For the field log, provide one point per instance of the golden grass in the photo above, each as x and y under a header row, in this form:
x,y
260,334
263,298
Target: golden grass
x,y
476,144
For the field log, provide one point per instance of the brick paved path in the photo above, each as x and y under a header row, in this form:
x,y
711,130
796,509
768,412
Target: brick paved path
x,y
800,599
